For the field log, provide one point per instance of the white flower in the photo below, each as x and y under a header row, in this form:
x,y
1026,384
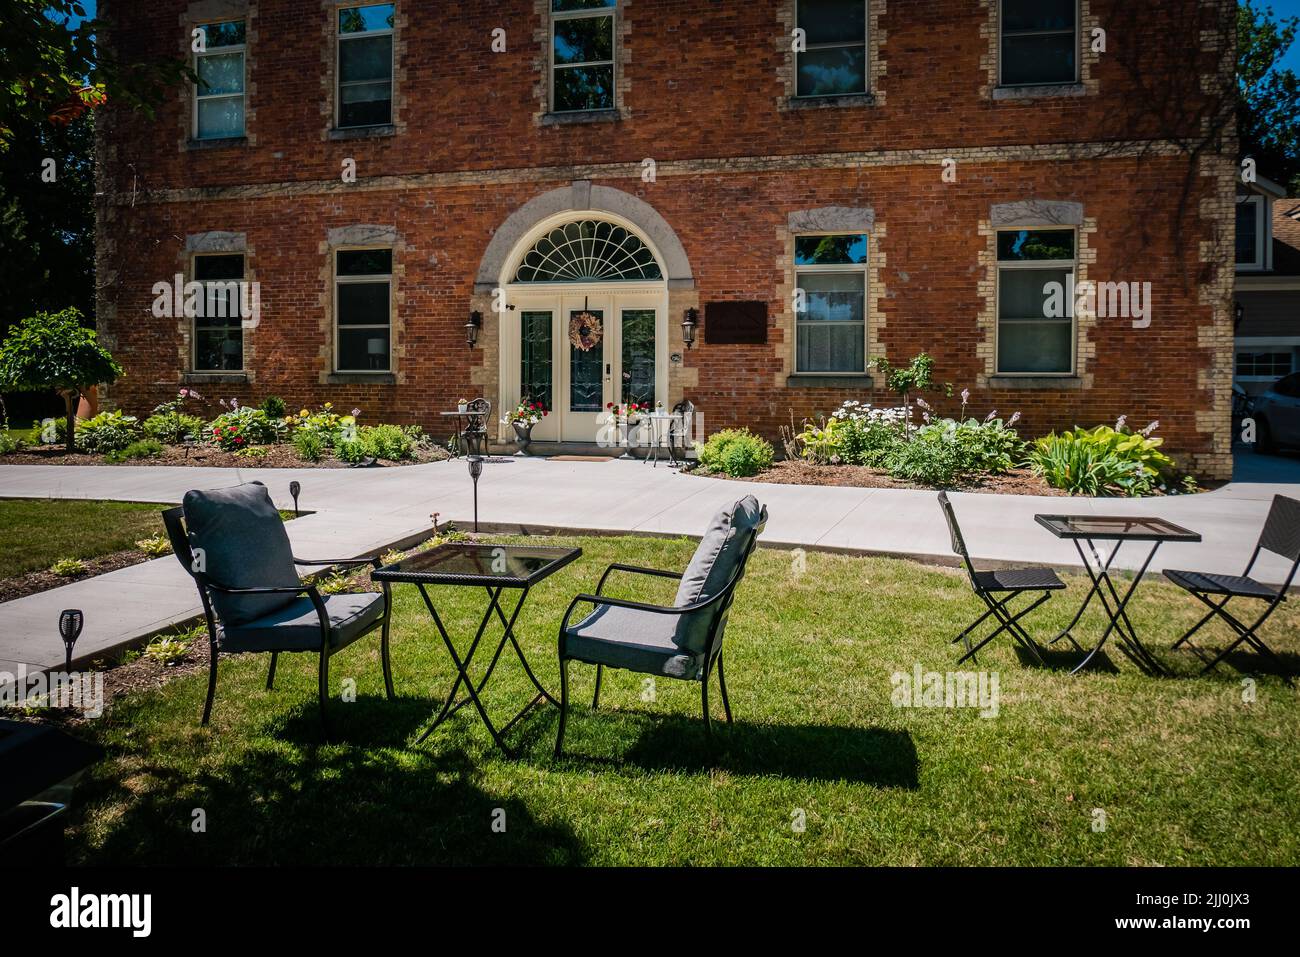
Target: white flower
x,y
1119,423
1146,433
922,403
965,396
1015,417
989,417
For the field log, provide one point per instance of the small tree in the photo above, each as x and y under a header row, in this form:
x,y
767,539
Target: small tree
x,y
55,351
916,376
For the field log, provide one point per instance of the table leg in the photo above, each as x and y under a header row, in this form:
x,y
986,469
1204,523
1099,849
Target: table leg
x,y
1118,617
451,706
1069,629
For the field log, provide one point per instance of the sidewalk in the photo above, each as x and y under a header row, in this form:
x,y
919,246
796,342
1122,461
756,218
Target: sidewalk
x,y
359,511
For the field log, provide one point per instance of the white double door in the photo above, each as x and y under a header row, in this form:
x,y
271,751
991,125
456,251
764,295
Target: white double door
x,y
620,360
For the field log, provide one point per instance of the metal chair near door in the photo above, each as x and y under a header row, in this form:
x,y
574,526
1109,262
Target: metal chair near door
x,y
997,589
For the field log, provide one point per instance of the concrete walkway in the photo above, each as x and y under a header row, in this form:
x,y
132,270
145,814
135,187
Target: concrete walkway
x,y
362,511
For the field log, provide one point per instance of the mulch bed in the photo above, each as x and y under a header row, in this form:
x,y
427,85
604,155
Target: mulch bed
x,y
277,457
35,582
1018,482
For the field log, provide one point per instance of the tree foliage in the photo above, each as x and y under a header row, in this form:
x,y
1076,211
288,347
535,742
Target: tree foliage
x,y
55,351
1268,112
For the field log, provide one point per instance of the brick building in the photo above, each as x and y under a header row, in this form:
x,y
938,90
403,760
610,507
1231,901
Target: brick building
x,y
825,181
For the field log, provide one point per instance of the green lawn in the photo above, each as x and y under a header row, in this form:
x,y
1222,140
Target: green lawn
x,y
34,534
1184,771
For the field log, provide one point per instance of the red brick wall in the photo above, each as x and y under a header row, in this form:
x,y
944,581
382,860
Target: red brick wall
x,y
704,85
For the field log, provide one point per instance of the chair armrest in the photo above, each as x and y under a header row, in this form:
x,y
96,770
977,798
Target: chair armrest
x,y
341,562
616,603
637,570
261,590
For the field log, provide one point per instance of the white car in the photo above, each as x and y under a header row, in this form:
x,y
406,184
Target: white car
x,y
1277,415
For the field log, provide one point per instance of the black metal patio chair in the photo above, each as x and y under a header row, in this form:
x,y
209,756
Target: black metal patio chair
x,y
1281,536
232,542
682,640
681,428
997,588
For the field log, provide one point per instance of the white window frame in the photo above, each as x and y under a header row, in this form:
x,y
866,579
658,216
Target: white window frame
x,y
613,14
1263,221
1078,49
194,323
864,270
371,278
866,56
1041,265
339,39
199,95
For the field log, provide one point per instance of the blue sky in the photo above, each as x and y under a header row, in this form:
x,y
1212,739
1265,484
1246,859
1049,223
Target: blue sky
x,y
1282,8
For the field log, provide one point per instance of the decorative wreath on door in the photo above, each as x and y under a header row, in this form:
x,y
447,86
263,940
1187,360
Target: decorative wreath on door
x,y
585,331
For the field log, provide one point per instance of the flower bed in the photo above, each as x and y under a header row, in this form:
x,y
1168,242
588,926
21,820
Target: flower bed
x,y
237,437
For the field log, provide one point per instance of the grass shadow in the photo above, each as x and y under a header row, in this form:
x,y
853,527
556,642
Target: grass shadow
x,y
876,756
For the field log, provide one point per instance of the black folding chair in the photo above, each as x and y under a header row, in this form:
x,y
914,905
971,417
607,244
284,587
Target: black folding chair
x,y
1281,536
997,589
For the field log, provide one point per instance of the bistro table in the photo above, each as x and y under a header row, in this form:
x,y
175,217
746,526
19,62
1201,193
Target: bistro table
x,y
495,568
1091,529
464,422
661,427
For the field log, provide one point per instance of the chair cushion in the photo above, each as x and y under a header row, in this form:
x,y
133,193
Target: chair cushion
x,y
715,560
1234,585
296,626
626,638
244,546
1019,579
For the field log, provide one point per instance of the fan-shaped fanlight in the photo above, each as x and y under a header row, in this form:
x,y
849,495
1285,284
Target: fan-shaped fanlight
x,y
588,251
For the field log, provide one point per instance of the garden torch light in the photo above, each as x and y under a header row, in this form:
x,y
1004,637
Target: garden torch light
x,y
71,622
294,489
475,437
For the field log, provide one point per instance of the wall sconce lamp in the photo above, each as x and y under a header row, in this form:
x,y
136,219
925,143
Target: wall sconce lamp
x,y
472,328
689,324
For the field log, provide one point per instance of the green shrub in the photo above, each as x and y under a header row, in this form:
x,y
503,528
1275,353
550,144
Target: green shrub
x,y
931,458
107,432
1104,461
155,546
737,452
69,567
352,452
139,449
241,428
174,428
332,427
10,442
389,442
309,446
167,650
274,407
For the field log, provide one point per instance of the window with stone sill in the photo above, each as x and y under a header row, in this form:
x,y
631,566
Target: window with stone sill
x,y
582,42
219,64
218,324
1035,308
1038,42
833,60
830,314
364,69
363,282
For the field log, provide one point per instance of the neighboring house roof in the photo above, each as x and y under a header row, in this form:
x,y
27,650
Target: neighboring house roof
x,y
1286,237
1262,184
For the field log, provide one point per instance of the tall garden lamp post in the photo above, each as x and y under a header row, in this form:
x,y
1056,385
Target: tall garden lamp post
x,y
71,622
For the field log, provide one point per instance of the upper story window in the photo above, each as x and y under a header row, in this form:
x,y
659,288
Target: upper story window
x,y
1039,42
363,280
582,55
219,95
218,326
1036,301
365,66
834,61
1251,232
831,326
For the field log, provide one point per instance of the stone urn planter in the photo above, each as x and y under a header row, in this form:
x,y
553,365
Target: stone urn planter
x,y
523,435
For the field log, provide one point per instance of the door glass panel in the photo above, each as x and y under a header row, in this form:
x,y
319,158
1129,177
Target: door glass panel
x,y
535,371
639,356
586,370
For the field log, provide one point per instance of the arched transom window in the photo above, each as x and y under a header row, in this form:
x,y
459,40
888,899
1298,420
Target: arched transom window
x,y
588,251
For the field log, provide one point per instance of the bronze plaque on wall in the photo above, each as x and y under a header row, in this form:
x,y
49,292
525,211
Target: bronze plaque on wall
x,y
735,323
